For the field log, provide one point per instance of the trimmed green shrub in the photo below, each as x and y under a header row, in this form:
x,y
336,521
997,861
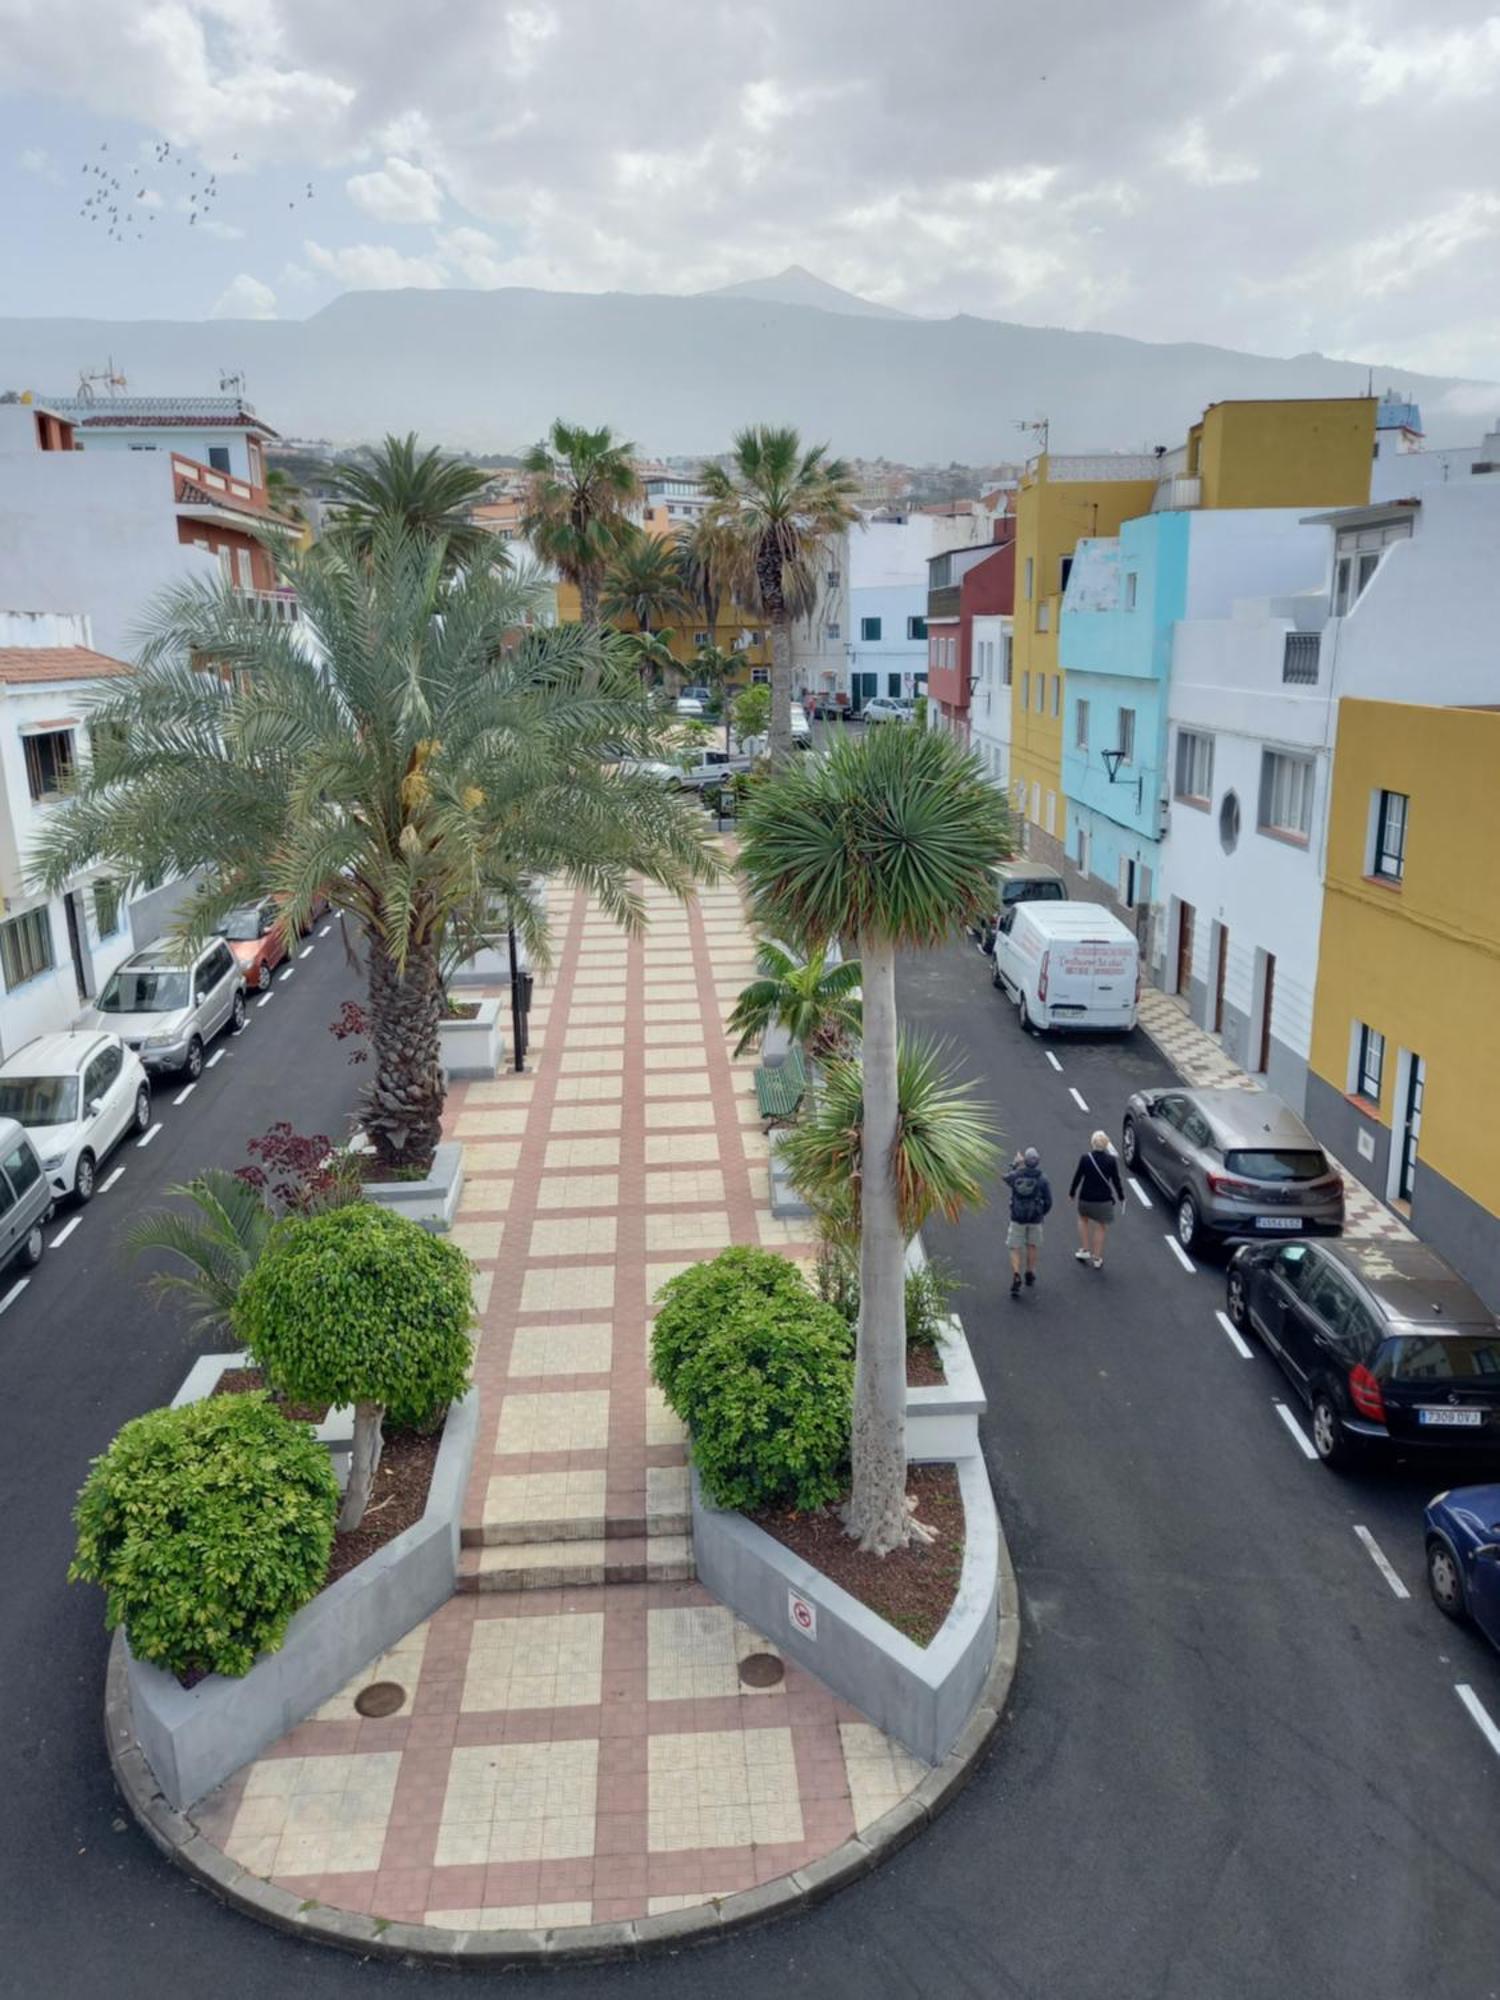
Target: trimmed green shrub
x,y
762,1373
208,1527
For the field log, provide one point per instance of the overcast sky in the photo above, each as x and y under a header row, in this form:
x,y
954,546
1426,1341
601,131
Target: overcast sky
x,y
1273,176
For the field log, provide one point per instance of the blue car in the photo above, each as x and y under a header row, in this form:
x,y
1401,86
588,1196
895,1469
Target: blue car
x,y
1463,1556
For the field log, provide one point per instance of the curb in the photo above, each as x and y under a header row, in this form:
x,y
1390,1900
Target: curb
x,y
492,1951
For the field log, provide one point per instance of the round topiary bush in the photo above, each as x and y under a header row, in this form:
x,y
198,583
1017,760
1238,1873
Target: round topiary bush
x,y
208,1527
762,1373
357,1305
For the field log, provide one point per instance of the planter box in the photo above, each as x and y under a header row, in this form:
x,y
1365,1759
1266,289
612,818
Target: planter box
x,y
786,1204
921,1695
336,1429
942,1422
469,1049
490,967
193,1738
433,1201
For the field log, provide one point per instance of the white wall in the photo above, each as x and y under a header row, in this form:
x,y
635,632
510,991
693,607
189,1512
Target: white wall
x,y
989,702
1240,552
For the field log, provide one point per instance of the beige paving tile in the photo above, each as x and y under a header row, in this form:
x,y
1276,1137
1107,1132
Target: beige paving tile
x,y
562,1350
663,1425
578,1191
668,1492
482,1283
596,1038
479,1240
401,1663
677,1082
483,1155
681,1230
661,1906
551,1662
585,1090
586,1117
683,1049
314,1815
512,1917
579,1288
722,1788
664,1012
674,1146
572,1061
880,1772
582,1153
521,1500
519,1802
658,1273
693,1653
585,1014
574,1236
500,1121
510,1091
483,1196
664,985
662,1114
554,1420
685,1185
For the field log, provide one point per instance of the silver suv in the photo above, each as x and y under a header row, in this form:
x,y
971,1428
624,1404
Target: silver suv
x,y
1233,1163
169,1011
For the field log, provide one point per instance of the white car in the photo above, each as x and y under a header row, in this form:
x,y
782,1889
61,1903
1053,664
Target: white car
x,y
77,1096
692,701
886,708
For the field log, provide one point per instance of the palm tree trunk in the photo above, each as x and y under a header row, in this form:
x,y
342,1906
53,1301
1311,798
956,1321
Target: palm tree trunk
x,y
364,1462
404,1102
588,597
781,689
876,1515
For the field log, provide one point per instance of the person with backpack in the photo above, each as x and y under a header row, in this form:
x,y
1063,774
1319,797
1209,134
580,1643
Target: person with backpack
x,y
1030,1201
1099,1191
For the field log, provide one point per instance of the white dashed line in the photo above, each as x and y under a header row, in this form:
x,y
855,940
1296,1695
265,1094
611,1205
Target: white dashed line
x,y
1462,1689
146,1137
287,971
1304,1442
66,1231
266,998
325,930
1178,1252
185,1093
217,1057
1053,1060
1233,1332
1377,1556
306,951
119,1173
14,1293
1077,1098
1138,1191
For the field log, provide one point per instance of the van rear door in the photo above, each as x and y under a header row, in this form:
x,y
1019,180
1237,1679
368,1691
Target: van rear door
x,y
1097,982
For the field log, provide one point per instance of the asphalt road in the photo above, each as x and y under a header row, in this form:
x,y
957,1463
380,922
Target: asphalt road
x,y
1234,1763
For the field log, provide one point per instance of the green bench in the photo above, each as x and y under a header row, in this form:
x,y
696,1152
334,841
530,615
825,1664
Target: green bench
x,y
780,1091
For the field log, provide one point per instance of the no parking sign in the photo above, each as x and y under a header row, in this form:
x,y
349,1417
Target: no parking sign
x,y
804,1616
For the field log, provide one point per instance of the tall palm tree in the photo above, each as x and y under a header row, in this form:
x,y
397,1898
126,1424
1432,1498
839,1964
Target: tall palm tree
x,y
815,1002
718,670
643,581
883,843
403,751
709,552
430,494
582,483
782,502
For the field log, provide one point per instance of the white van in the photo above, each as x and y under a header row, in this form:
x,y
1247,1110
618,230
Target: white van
x,y
1069,965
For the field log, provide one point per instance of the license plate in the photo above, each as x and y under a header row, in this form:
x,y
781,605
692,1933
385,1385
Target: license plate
x,y
1468,1419
1065,1008
1278,1221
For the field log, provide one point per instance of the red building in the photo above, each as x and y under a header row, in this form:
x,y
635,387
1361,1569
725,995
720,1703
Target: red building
x,y
963,584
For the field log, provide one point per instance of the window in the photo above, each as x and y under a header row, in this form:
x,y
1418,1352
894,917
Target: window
x,y
1026,690
218,457
1036,802
1369,1062
26,947
1299,659
1127,882
760,677
702,638
1125,736
1286,790
833,579
1051,820
1044,615
916,628
1081,848
833,631
1026,593
1057,694
1390,836
1081,726
1041,694
22,1168
1130,580
869,630
1195,768
1064,571
1007,661
49,762
107,907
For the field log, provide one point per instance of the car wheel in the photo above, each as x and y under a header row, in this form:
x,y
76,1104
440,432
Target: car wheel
x,y
31,1250
142,1109
1238,1305
83,1178
237,1013
995,979
194,1063
1128,1144
1445,1579
1187,1222
1329,1441
1023,1014
263,977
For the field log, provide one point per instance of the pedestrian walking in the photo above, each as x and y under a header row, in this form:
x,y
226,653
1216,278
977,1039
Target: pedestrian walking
x,y
1099,1192
1030,1200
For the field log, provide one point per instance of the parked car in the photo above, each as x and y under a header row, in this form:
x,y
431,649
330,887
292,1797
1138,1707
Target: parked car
x,y
257,939
77,1095
827,706
1068,965
1016,882
886,708
651,767
25,1198
1463,1556
693,701
1383,1341
1233,1163
712,768
168,1012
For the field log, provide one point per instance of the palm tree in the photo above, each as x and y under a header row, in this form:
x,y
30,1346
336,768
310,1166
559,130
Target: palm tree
x,y
885,843
782,503
815,1002
643,581
284,495
405,750
430,494
582,483
649,655
216,1247
709,552
717,670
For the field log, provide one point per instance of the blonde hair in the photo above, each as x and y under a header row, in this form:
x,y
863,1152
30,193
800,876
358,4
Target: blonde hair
x,y
1100,1143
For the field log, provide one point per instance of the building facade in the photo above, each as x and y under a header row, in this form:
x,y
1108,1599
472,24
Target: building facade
x,y
989,699
887,562
963,585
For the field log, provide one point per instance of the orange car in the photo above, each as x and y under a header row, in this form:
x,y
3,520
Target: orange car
x,y
255,937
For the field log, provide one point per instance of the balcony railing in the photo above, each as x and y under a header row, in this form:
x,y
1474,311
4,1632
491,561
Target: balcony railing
x,y
1299,659
943,602
277,607
1183,490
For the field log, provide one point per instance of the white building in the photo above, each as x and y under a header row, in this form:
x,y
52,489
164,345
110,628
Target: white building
x,y
887,652
989,698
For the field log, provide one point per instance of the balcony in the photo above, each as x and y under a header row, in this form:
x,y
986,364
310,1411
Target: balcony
x,y
1299,659
276,607
1183,489
943,603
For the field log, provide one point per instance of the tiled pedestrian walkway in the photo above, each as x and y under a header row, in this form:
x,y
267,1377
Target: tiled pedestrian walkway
x,y
576,1742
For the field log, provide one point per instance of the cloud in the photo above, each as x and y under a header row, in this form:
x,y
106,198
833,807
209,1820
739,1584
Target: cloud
x,y
244,298
227,232
37,160
1190,155
375,267
474,255
399,192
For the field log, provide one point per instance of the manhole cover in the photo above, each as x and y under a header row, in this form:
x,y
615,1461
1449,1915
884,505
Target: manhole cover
x,y
381,1698
762,1670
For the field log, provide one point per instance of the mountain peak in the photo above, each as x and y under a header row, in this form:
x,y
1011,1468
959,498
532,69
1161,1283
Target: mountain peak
x,y
796,286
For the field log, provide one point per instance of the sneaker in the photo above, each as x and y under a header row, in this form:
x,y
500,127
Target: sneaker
x,y
1098,1263
1031,1277
1082,1256
1015,1286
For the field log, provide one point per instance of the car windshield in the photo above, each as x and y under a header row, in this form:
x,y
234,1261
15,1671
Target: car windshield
x,y
39,1100
240,926
1448,1357
1033,892
1266,1163
148,989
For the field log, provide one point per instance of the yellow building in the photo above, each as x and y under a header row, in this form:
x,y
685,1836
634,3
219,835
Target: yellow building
x,y
688,636
1287,452
1405,1064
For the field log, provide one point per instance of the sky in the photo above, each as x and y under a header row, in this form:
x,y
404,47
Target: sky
x,y
1266,175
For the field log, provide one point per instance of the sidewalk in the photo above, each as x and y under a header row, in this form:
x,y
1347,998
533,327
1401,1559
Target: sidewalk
x,y
577,1743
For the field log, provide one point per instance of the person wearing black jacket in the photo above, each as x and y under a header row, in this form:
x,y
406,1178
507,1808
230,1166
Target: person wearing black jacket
x,y
1099,1191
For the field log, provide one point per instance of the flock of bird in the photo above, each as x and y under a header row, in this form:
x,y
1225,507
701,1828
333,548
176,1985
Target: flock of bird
x,y
115,198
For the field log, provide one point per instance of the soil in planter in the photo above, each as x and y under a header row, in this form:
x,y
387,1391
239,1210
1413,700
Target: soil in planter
x,y
398,1501
462,1010
924,1367
368,1167
239,1381
911,1588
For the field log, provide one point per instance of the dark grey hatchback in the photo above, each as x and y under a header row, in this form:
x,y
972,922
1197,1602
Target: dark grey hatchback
x,y
1386,1345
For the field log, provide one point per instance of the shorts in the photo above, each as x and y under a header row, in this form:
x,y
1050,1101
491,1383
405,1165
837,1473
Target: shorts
x,y
1024,1236
1097,1211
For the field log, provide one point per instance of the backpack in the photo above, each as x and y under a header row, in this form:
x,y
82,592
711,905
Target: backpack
x,y
1030,1197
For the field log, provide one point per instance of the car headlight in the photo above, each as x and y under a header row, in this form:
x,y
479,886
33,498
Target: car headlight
x,y
51,1164
161,1041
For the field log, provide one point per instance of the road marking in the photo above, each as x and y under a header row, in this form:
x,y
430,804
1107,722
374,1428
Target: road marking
x,y
267,997
109,1179
1138,1191
1230,1328
1077,1099
1462,1689
1378,1556
306,951
1178,1252
185,1093
325,930
14,1293
66,1231
217,1057
145,1140
1053,1060
1304,1442
286,972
